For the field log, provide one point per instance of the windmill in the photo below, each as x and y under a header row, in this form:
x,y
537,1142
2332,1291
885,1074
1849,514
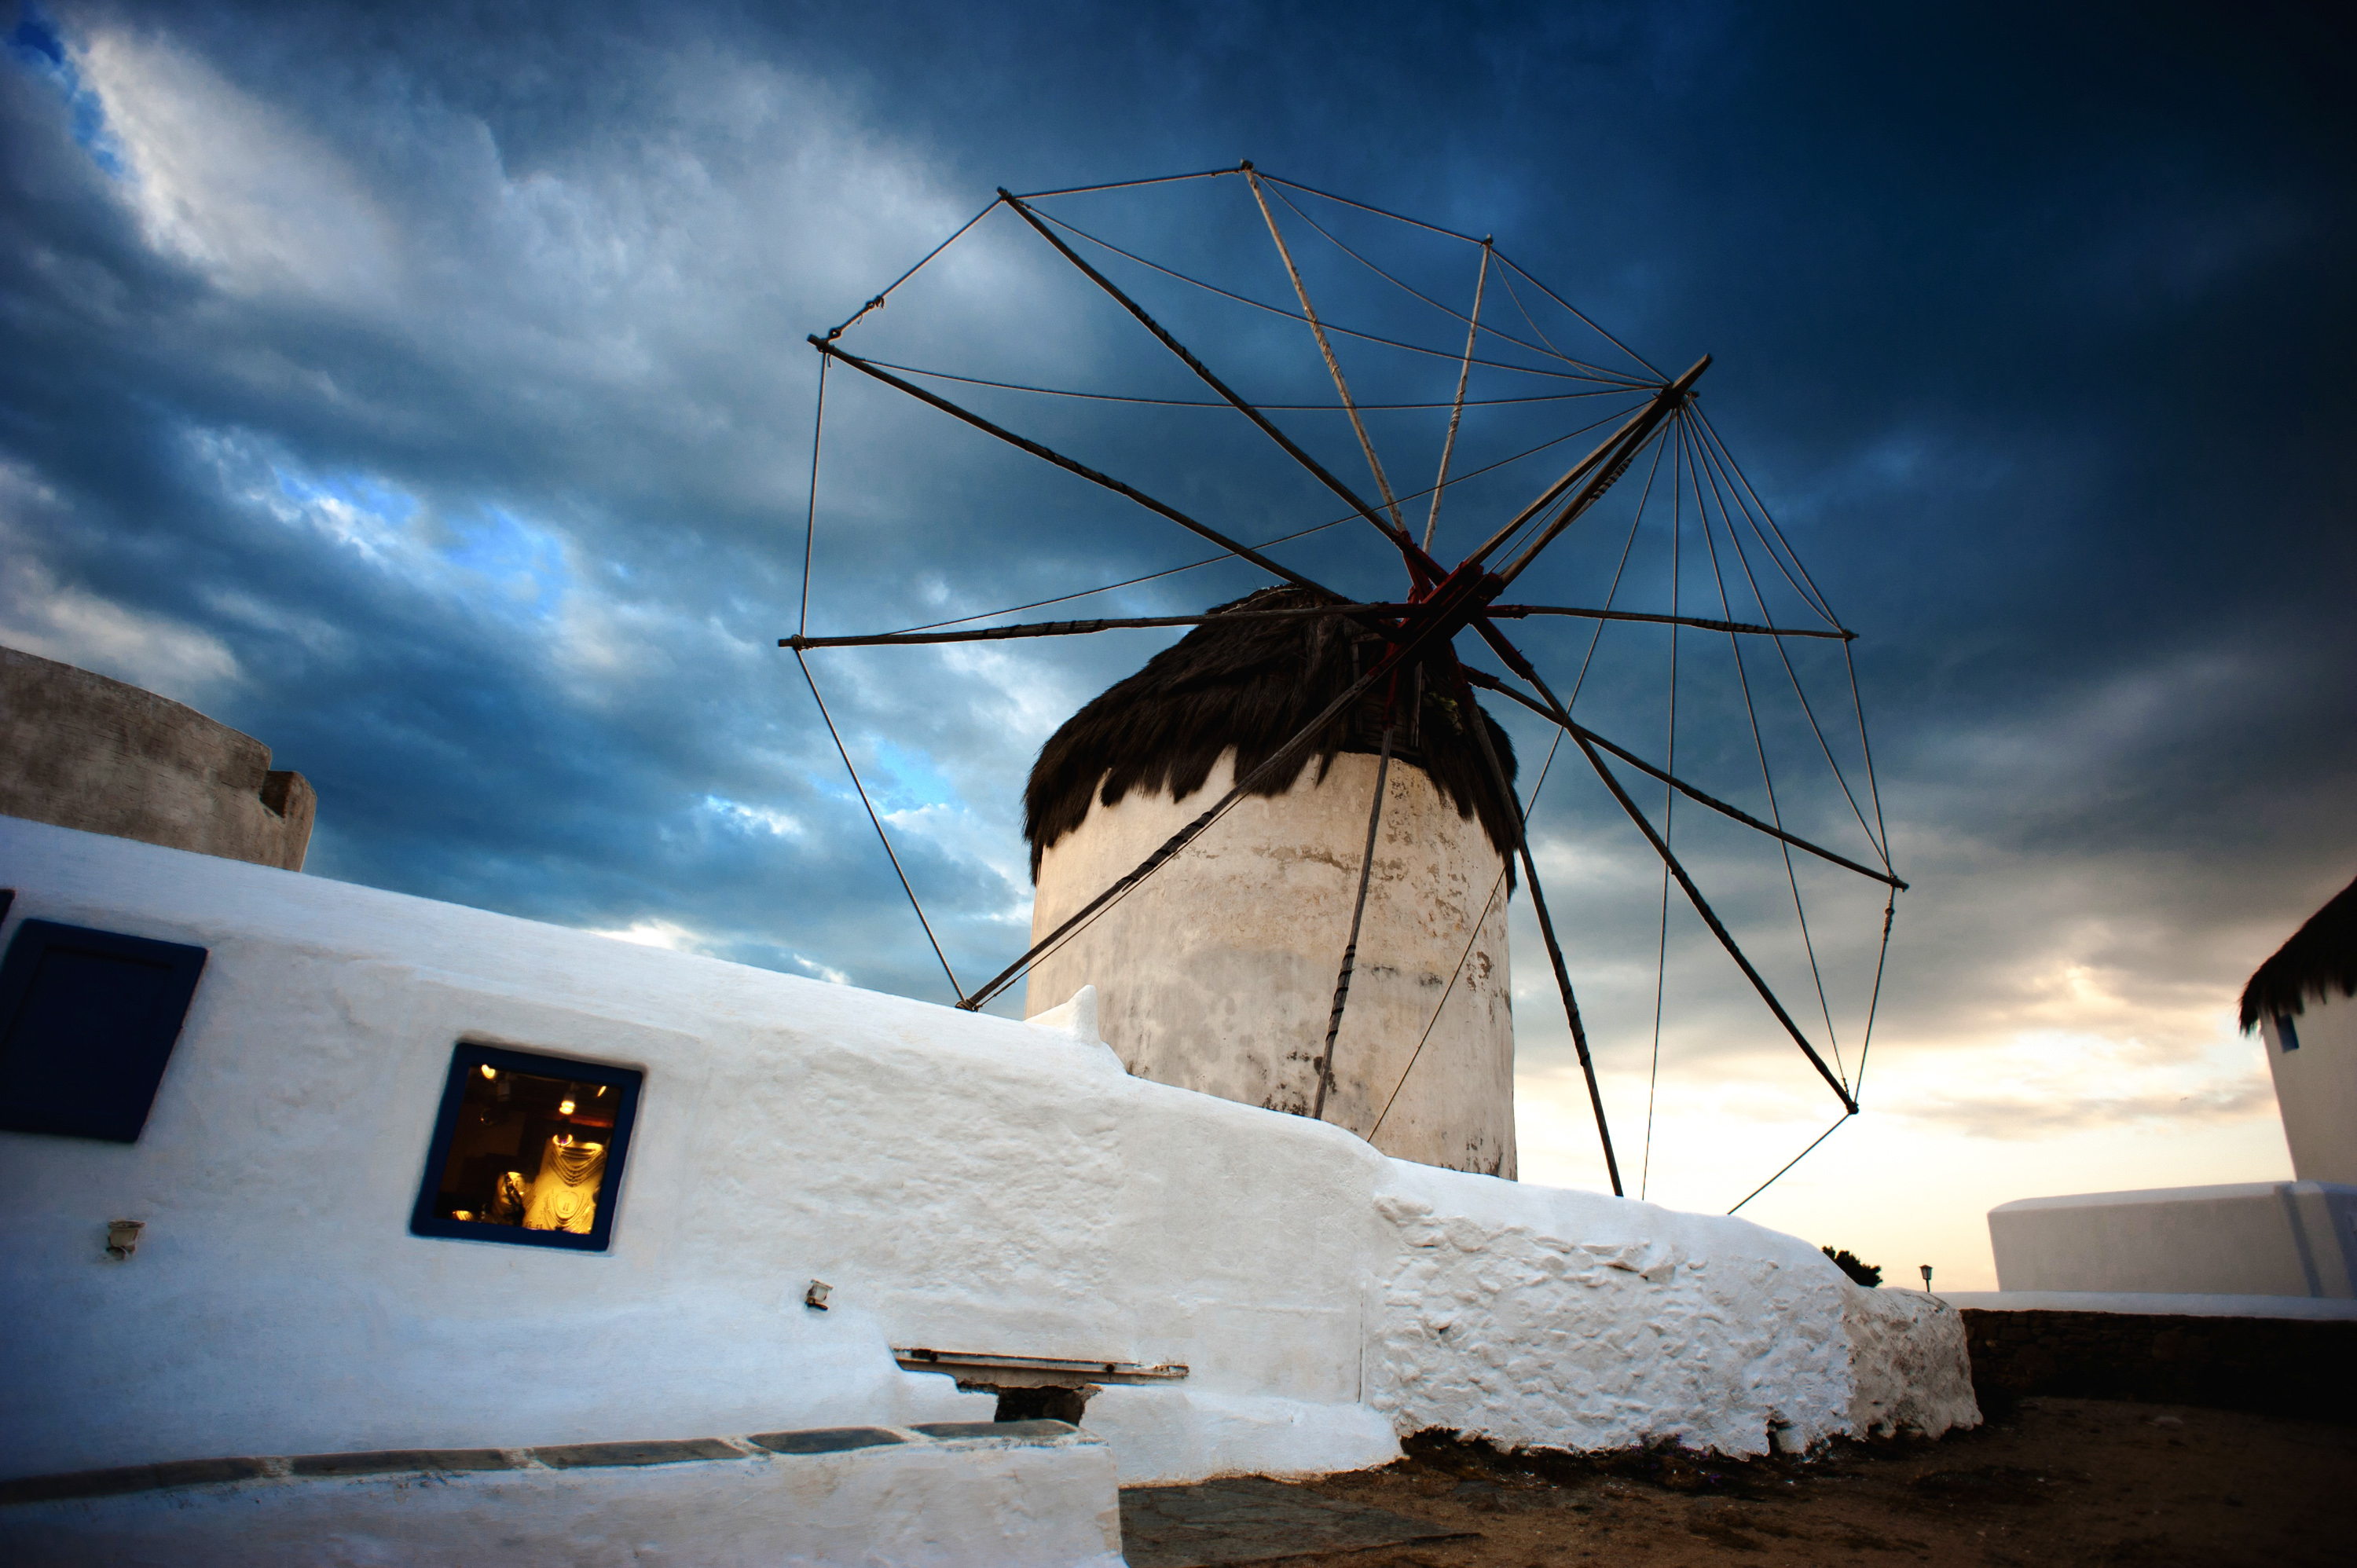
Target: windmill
x,y
1375,670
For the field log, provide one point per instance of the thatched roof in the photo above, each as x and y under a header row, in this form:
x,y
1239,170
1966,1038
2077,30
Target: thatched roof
x,y
1252,685
2320,958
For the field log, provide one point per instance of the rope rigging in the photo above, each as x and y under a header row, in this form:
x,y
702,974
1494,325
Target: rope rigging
x,y
1472,323
1629,382
1760,745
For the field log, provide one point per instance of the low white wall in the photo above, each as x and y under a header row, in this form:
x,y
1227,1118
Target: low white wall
x,y
984,1503
1911,1363
2155,1304
2316,1088
1546,1317
2289,1239
962,1182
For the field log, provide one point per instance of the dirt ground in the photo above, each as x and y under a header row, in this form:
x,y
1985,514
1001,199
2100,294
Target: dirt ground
x,y
2055,1481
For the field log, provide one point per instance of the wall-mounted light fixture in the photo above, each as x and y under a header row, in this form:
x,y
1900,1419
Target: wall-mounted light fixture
x,y
123,1238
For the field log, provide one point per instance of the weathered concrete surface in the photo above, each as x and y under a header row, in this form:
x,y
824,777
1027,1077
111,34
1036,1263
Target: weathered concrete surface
x,y
1218,973
79,750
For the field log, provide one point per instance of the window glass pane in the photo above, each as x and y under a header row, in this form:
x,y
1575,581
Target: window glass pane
x,y
88,1020
528,1151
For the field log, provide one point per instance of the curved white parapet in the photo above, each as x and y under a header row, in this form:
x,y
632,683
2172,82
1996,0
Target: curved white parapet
x,y
962,1182
1038,1495
2286,1239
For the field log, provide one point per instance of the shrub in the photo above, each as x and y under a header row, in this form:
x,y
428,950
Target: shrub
x,y
1866,1274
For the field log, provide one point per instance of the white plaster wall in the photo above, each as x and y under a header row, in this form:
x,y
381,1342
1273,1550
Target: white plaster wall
x,y
1218,973
2315,1089
961,1181
2290,1239
978,1504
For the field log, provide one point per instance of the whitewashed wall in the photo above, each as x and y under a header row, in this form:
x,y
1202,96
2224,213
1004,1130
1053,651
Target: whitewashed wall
x,y
2316,1088
962,1182
2265,1238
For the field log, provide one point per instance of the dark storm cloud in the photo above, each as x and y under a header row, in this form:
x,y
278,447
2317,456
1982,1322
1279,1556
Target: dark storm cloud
x,y
423,392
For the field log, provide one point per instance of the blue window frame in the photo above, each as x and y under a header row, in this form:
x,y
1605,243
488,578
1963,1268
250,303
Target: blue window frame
x,y
2285,1035
88,1020
527,1150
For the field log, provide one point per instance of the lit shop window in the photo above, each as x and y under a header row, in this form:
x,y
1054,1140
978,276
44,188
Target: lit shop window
x,y
528,1149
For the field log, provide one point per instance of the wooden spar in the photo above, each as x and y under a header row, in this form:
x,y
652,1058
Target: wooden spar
x,y
1517,612
1546,931
1351,949
1458,601
1356,611
1491,683
1080,628
1612,455
1333,365
1640,431
1069,465
1457,410
1571,476
1693,894
1420,567
1571,1012
1702,906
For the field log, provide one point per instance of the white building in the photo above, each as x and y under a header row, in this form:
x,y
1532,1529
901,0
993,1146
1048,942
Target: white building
x,y
2300,1003
2281,1240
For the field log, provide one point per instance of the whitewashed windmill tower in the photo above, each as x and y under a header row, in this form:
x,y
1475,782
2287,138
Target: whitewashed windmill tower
x,y
1306,775
1219,974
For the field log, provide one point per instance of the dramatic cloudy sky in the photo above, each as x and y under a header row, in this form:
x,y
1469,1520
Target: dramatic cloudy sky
x,y
424,390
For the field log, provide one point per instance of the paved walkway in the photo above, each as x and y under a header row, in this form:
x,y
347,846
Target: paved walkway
x,y
1250,1519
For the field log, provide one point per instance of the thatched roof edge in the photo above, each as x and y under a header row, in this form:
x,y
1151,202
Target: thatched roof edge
x,y
1250,685
2320,958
